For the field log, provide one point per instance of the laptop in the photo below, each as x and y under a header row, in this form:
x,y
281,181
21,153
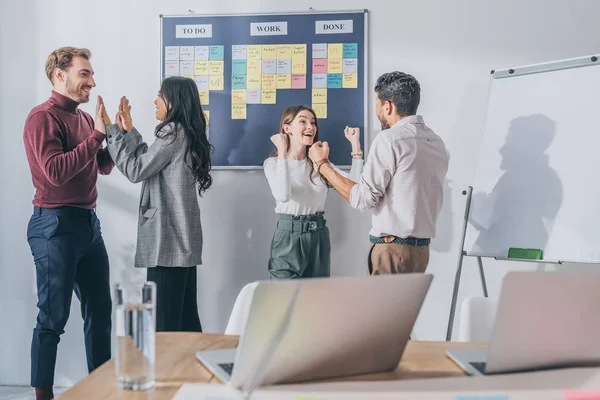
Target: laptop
x,y
317,328
544,320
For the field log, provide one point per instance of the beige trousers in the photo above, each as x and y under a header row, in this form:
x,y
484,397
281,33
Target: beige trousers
x,y
395,258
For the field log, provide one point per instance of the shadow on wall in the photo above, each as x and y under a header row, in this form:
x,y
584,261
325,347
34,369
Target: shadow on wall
x,y
445,225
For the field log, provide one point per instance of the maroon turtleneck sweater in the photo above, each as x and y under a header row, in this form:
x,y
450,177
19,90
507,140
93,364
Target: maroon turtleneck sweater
x,y
65,154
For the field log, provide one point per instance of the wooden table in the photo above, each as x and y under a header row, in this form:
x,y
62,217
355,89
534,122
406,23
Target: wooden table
x,y
176,364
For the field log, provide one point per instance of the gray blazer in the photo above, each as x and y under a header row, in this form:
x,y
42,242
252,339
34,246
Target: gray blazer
x,y
169,229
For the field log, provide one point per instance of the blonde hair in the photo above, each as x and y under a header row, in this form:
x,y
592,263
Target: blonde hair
x,y
62,57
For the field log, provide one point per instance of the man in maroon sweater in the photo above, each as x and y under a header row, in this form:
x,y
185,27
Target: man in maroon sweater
x,y
65,154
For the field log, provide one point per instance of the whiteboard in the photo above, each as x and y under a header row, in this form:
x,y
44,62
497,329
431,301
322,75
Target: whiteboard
x,y
538,179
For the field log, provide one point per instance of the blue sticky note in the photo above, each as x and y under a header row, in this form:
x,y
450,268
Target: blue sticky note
x,y
216,53
238,81
483,397
334,81
238,67
350,50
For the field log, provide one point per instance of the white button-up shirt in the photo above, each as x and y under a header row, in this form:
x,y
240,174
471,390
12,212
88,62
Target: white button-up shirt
x,y
402,180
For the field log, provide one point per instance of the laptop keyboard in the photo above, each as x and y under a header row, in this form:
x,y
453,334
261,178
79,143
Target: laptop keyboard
x,y
479,366
227,367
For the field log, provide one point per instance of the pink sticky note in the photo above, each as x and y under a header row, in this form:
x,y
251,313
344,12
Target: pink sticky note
x,y
319,66
581,394
298,81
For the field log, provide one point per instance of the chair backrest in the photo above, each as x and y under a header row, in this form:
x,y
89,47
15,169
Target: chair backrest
x,y
477,317
241,309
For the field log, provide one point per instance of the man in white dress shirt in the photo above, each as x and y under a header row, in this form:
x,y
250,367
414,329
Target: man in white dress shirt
x,y
402,180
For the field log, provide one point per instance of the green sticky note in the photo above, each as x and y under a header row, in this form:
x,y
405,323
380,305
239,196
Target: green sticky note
x,y
527,254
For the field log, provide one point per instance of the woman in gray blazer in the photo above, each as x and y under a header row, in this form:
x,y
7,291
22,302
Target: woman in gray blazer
x,y
173,171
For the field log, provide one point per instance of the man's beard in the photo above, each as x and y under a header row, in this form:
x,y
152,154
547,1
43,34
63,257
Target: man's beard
x,y
384,124
77,94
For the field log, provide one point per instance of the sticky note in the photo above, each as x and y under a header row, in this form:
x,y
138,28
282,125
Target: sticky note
x,y
319,96
186,52
172,53
581,394
269,66
298,81
268,81
319,66
254,51
254,67
334,50
269,97
206,116
350,50
483,397
238,81
319,81
216,53
238,111
350,81
186,68
238,67
201,68
171,68
216,83
284,51
320,110
284,81
350,65
319,50
269,52
299,52
253,96
253,81
201,53
216,68
238,52
334,81
238,96
298,66
334,66
202,82
203,97
284,66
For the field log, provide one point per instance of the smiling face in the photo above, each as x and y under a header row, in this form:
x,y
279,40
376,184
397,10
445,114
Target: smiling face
x,y
161,107
303,128
76,80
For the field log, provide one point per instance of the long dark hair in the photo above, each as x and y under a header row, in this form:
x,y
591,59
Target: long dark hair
x,y
289,114
184,111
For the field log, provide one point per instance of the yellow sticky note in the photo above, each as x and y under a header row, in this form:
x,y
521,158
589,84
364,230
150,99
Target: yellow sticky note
x,y
319,96
320,110
284,51
216,67
350,81
207,116
238,96
334,66
254,52
268,81
238,111
269,97
253,81
299,52
203,97
269,52
201,68
334,50
284,81
254,67
216,83
298,66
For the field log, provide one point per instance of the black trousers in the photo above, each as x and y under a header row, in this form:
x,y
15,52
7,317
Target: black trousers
x,y
69,255
176,304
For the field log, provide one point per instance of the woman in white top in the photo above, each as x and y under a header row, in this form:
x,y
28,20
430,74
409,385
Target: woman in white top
x,y
301,247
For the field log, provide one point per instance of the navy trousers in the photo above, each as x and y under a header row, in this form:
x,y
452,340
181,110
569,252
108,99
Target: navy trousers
x,y
69,255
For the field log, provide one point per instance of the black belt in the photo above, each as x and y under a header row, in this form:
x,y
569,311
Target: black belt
x,y
411,241
301,226
64,210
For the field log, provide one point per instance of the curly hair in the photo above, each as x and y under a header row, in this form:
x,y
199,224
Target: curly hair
x,y
62,57
401,89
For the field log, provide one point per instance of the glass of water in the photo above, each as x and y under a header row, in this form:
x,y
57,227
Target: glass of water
x,y
135,329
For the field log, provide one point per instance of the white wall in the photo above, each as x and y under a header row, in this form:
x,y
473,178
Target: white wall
x,y
449,46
